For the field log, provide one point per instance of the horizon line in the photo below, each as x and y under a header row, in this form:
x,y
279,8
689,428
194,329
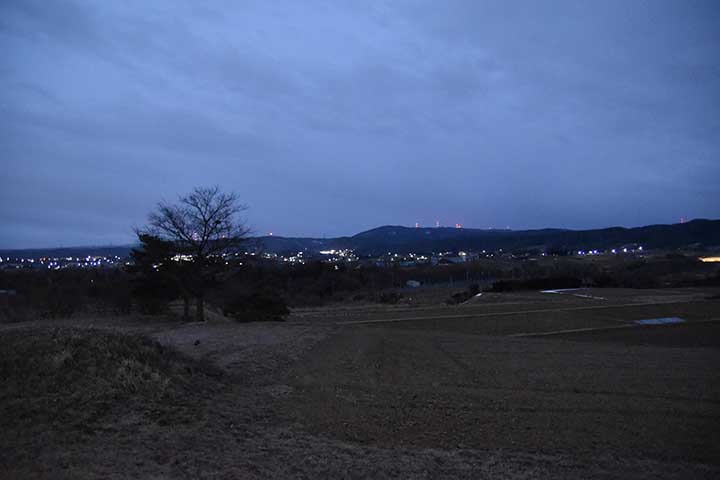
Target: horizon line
x,y
271,234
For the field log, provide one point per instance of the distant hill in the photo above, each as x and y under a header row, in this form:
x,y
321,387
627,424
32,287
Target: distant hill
x,y
397,239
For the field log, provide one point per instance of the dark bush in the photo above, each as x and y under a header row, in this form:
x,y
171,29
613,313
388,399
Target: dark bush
x,y
258,305
604,280
464,296
61,301
153,293
390,298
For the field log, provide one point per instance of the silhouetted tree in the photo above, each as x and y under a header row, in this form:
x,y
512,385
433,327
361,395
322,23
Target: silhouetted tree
x,y
202,227
157,278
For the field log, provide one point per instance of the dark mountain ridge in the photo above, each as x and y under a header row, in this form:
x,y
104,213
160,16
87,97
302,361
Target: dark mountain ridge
x,y
399,239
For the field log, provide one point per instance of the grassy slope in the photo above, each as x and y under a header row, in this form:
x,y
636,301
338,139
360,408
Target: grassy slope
x,y
62,385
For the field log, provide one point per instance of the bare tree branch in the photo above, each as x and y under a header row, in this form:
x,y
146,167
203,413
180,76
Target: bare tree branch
x,y
203,223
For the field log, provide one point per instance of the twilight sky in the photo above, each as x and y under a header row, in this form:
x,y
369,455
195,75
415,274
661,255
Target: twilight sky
x,y
331,117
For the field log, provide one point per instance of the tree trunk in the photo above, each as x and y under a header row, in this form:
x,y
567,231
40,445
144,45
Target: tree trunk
x,y
186,308
200,308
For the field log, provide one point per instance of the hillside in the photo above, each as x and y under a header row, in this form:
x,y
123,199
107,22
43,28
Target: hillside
x,y
398,239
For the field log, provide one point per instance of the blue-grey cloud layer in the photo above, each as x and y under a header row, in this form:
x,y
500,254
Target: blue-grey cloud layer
x,y
329,117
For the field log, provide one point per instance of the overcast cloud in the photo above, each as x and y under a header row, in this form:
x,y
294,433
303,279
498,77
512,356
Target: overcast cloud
x,y
331,117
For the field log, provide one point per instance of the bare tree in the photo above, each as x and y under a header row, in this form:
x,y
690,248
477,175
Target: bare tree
x,y
203,226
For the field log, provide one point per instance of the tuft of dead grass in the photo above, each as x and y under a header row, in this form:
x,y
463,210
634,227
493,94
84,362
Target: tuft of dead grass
x,y
72,378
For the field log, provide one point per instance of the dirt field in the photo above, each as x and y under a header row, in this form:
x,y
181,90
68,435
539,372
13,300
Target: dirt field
x,y
421,392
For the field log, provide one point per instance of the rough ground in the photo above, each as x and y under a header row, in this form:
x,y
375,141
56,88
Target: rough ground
x,y
309,399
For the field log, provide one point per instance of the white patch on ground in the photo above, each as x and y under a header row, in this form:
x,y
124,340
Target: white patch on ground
x,y
565,291
660,321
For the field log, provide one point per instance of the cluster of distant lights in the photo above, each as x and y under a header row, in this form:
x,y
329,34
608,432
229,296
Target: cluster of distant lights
x,y
340,255
297,258
614,251
348,255
330,256
64,262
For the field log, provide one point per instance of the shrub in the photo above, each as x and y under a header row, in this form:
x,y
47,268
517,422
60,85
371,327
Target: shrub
x,y
464,296
258,305
61,301
390,298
